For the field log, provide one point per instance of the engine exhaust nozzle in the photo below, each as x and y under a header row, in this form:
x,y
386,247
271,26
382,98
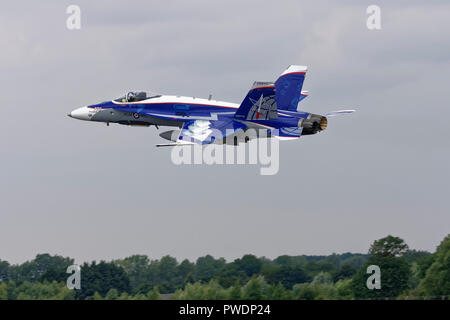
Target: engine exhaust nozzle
x,y
323,123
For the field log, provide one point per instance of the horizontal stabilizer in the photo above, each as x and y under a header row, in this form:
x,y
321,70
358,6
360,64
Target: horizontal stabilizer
x,y
303,95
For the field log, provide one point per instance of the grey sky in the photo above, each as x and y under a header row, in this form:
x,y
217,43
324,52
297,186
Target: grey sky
x,y
89,191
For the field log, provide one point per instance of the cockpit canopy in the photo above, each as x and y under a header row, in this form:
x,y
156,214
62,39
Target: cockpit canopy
x,y
134,96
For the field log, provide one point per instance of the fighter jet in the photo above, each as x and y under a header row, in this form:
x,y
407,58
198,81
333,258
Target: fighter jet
x,y
269,107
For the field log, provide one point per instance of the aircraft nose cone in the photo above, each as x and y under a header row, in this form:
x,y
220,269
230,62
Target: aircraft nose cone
x,y
80,114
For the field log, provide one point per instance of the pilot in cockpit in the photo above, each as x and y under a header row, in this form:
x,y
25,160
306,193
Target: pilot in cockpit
x,y
134,96
131,97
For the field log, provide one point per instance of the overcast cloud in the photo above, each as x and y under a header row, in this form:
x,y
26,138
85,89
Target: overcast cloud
x,y
89,191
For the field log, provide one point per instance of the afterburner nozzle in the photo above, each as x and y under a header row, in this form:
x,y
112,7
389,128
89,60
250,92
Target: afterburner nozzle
x,y
323,123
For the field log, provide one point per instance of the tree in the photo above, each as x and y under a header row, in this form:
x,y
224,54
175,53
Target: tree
x,y
283,260
112,294
235,292
101,278
96,296
424,264
153,294
388,247
169,279
437,279
304,291
277,292
207,267
313,268
43,291
356,260
250,264
231,274
255,289
138,296
186,271
343,289
54,275
287,275
395,271
144,288
136,268
345,272
3,291
214,291
201,291
322,278
4,271
316,291
33,270
334,259
192,291
415,255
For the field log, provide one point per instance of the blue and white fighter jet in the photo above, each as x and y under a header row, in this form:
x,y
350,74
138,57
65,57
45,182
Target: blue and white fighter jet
x,y
268,106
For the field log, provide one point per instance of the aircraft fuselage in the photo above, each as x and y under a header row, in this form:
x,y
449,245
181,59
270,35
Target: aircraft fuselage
x,y
173,111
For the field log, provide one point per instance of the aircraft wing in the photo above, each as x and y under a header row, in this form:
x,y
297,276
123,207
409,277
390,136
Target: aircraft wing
x,y
208,131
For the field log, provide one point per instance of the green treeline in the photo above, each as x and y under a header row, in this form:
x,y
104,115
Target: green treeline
x,y
405,274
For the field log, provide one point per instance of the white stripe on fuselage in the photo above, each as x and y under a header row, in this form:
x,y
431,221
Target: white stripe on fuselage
x,y
183,100
189,100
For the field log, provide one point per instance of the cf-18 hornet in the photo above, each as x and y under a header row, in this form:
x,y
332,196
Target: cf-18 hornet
x,y
269,107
